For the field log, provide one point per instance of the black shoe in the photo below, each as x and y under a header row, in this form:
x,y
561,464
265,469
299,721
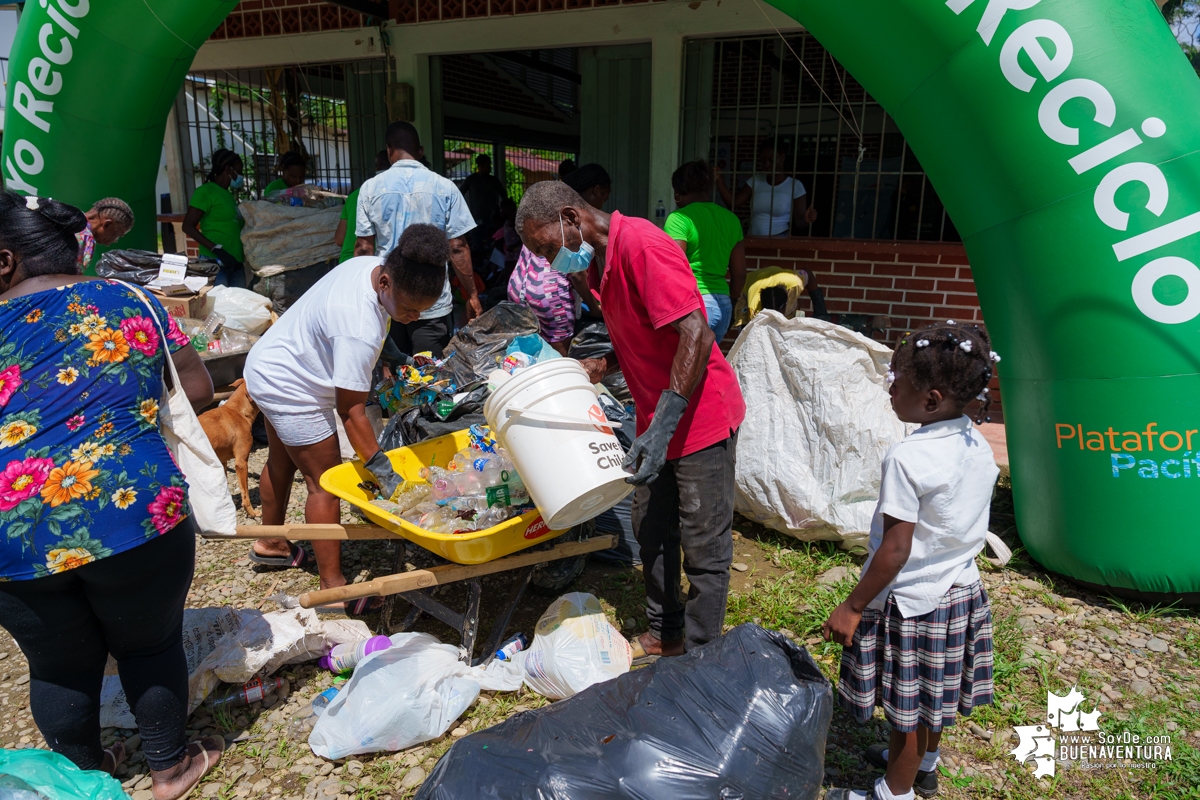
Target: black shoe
x,y
926,784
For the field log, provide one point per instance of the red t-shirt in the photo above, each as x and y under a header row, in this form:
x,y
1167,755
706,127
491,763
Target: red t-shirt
x,y
647,285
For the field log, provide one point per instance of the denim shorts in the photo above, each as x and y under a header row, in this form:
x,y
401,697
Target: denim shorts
x,y
719,308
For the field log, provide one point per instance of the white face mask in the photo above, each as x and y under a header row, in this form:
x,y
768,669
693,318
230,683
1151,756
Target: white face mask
x,y
568,261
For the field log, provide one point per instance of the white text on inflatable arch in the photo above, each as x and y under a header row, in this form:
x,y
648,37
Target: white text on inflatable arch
x,y
26,161
1030,39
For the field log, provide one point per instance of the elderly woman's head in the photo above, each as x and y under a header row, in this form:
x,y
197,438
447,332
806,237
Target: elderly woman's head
x,y
37,237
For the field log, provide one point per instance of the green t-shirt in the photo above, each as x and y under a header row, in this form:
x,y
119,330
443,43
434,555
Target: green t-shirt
x,y
279,184
711,232
350,215
220,222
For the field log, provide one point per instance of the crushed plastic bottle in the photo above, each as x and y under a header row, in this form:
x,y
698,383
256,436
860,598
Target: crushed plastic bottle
x,y
306,719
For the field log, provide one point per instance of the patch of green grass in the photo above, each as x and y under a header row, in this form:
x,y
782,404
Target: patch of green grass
x,y
1141,612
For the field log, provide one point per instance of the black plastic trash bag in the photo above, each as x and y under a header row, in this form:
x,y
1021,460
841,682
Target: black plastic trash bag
x,y
141,266
476,346
741,718
594,342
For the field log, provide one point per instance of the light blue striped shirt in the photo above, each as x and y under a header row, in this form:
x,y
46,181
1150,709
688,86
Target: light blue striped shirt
x,y
408,193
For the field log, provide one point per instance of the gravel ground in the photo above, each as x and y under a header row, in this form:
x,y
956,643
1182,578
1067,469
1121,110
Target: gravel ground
x,y
1128,659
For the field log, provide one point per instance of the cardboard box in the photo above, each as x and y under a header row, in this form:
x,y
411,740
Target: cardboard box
x,y
196,306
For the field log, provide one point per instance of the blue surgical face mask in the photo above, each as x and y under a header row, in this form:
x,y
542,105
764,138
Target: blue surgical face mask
x,y
238,182
568,261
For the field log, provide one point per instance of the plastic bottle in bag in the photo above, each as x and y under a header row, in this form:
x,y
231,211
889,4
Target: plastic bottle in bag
x,y
306,718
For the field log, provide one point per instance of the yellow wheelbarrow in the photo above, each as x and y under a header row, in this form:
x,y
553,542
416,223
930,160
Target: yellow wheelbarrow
x,y
476,554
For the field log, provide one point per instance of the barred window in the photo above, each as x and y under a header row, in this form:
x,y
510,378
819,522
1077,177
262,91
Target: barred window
x,y
749,94
336,114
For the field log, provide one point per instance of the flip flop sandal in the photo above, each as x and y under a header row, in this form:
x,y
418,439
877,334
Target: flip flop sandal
x,y
117,755
298,558
209,761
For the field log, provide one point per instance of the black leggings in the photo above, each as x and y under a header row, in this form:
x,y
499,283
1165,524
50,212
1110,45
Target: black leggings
x,y
131,605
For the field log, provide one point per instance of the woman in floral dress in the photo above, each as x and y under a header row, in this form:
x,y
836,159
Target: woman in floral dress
x,y
97,550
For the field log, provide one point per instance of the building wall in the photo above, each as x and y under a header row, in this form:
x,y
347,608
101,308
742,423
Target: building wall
x,y
913,283
257,18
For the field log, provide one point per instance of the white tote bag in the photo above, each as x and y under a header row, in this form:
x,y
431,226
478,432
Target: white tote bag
x,y
208,493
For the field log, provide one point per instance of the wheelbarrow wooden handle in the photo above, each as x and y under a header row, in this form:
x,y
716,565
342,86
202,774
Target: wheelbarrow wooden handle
x,y
304,532
452,573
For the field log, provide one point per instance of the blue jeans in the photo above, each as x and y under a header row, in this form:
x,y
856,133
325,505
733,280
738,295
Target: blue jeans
x,y
233,278
719,308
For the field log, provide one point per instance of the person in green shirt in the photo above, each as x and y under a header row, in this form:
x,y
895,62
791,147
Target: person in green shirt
x,y
341,236
293,171
212,218
711,238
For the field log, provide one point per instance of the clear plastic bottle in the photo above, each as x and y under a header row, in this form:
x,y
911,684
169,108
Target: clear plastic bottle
x,y
306,719
253,691
345,657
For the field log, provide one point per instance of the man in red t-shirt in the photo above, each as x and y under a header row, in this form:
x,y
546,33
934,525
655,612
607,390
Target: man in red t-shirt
x,y
689,405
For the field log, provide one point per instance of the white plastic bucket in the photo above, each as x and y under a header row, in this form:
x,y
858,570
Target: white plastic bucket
x,y
547,418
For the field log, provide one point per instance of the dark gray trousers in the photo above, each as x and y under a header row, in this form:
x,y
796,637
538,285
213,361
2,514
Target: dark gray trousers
x,y
689,508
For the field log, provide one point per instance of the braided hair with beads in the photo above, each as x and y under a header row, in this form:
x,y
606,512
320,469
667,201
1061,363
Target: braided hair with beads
x,y
955,359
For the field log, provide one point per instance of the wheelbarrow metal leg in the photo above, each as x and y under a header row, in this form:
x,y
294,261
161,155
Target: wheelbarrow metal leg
x,y
496,636
470,624
399,551
422,600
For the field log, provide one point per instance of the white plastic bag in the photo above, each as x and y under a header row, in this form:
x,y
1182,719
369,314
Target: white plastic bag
x,y
410,693
574,646
243,309
819,422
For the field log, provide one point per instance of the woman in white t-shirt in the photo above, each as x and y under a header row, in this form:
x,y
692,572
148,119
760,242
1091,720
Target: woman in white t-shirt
x,y
315,362
777,200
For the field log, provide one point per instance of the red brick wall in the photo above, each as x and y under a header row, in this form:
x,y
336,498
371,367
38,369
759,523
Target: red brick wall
x,y
255,18
913,283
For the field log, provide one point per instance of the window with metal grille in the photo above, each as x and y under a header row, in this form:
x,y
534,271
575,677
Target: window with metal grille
x,y
335,114
743,95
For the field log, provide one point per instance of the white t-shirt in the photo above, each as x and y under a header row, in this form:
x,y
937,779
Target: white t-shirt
x,y
331,338
940,477
771,206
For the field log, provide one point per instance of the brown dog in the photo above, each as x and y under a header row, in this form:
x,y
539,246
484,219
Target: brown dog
x,y
228,430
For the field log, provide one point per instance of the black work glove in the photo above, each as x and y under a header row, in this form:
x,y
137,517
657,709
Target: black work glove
x,y
818,302
649,451
227,259
381,467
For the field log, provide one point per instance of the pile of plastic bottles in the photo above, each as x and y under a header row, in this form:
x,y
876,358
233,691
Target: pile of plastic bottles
x,y
478,489
421,382
210,338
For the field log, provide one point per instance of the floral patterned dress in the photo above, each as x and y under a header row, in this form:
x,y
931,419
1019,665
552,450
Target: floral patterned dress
x,y
84,472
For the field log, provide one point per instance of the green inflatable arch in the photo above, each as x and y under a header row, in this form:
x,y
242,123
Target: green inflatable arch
x,y
90,84
1061,135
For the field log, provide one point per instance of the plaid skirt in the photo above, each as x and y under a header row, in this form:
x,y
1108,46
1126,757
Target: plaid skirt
x,y
925,669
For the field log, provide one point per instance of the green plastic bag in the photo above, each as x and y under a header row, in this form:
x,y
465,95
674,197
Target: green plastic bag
x,y
37,774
